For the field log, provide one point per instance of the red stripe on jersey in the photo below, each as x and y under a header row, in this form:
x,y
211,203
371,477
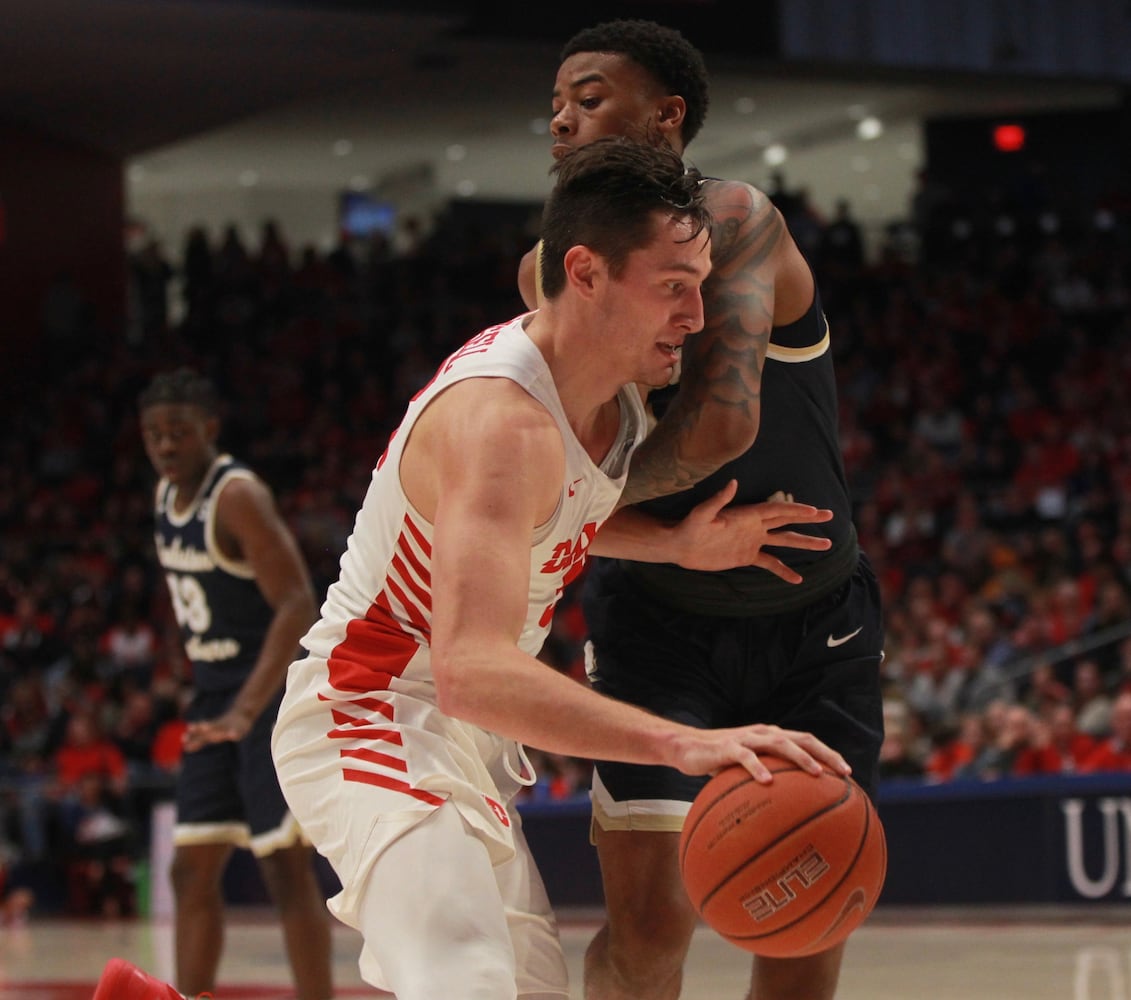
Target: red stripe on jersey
x,y
373,704
375,650
378,647
369,778
389,735
423,569
346,719
374,757
415,616
422,542
400,565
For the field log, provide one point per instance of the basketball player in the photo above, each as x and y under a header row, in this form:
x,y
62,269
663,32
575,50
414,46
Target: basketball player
x,y
243,599
399,743
757,403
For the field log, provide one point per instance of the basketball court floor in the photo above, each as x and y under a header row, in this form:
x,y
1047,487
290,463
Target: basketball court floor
x,y
912,954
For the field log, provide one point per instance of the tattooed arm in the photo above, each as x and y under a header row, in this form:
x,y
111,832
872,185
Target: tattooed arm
x,y
715,415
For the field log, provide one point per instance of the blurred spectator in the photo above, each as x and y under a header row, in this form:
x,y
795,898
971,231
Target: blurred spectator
x,y
130,645
898,754
1113,753
86,769
135,731
86,752
560,778
1046,692
25,726
1009,744
1092,702
1059,747
151,275
842,242
27,637
957,749
96,855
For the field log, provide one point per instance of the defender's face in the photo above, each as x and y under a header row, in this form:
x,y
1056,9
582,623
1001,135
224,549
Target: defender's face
x,y
602,93
179,440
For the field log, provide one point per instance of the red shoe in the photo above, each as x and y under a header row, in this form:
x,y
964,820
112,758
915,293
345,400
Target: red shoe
x,y
123,981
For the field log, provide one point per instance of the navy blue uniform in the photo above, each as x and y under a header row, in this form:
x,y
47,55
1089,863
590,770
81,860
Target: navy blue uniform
x,y
742,646
224,790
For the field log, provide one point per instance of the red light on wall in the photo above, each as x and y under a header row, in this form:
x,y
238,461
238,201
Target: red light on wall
x,y
1009,138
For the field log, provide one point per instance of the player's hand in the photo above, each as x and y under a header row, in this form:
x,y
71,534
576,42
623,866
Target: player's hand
x,y
705,751
715,536
231,727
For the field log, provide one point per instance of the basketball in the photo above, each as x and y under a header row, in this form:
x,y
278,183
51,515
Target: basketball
x,y
785,869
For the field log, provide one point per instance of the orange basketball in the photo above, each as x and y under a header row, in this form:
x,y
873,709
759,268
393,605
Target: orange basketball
x,y
785,869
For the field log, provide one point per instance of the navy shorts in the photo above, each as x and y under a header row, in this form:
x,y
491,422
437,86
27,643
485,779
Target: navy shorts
x,y
227,784
816,669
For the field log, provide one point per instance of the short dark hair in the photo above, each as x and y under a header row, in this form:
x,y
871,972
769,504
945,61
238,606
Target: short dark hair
x,y
605,198
663,52
182,385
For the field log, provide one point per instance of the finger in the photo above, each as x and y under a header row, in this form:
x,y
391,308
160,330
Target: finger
x,y
776,514
777,567
753,763
709,509
799,540
795,753
818,750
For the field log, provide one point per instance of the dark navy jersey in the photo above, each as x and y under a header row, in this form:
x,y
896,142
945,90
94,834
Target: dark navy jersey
x,y
797,451
222,614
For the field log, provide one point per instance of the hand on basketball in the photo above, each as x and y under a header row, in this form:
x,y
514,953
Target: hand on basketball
x,y
706,751
715,536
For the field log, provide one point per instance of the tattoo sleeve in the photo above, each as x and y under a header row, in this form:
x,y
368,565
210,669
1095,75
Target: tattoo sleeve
x,y
715,415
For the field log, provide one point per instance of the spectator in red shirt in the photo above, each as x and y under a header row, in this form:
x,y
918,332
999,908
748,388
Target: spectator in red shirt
x,y
1114,753
948,759
1059,747
86,750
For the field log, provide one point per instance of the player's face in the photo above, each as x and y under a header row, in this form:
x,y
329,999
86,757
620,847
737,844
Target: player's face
x,y
602,93
660,289
180,441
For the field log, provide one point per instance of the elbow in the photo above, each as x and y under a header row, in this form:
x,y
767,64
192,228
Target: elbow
x,y
454,691
445,679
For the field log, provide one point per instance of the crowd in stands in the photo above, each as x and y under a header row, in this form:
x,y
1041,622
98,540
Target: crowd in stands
x,y
986,428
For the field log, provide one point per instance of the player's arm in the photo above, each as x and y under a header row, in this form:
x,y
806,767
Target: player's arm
x,y
248,524
714,535
715,416
498,466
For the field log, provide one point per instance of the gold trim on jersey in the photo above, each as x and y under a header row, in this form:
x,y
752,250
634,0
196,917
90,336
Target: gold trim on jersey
x,y
799,355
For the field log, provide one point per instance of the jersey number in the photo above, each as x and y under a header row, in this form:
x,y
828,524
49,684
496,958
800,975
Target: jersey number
x,y
190,603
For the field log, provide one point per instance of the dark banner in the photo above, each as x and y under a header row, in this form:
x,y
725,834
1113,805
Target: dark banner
x,y
1033,840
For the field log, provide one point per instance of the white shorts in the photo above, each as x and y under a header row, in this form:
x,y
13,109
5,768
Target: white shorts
x,y
416,819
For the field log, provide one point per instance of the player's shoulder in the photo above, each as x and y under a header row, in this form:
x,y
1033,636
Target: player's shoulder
x,y
491,404
237,484
730,198
744,222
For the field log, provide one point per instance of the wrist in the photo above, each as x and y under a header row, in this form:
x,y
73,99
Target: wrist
x,y
245,712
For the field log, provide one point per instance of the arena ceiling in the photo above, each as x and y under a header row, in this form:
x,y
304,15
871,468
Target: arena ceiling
x,y
198,95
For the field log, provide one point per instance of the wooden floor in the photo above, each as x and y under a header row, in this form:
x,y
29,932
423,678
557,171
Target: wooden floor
x,y
917,954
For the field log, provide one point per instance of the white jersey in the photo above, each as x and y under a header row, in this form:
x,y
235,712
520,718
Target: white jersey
x,y
360,710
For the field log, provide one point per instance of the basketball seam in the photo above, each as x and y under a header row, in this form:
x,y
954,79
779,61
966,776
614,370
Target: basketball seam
x,y
689,832
847,871
782,836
